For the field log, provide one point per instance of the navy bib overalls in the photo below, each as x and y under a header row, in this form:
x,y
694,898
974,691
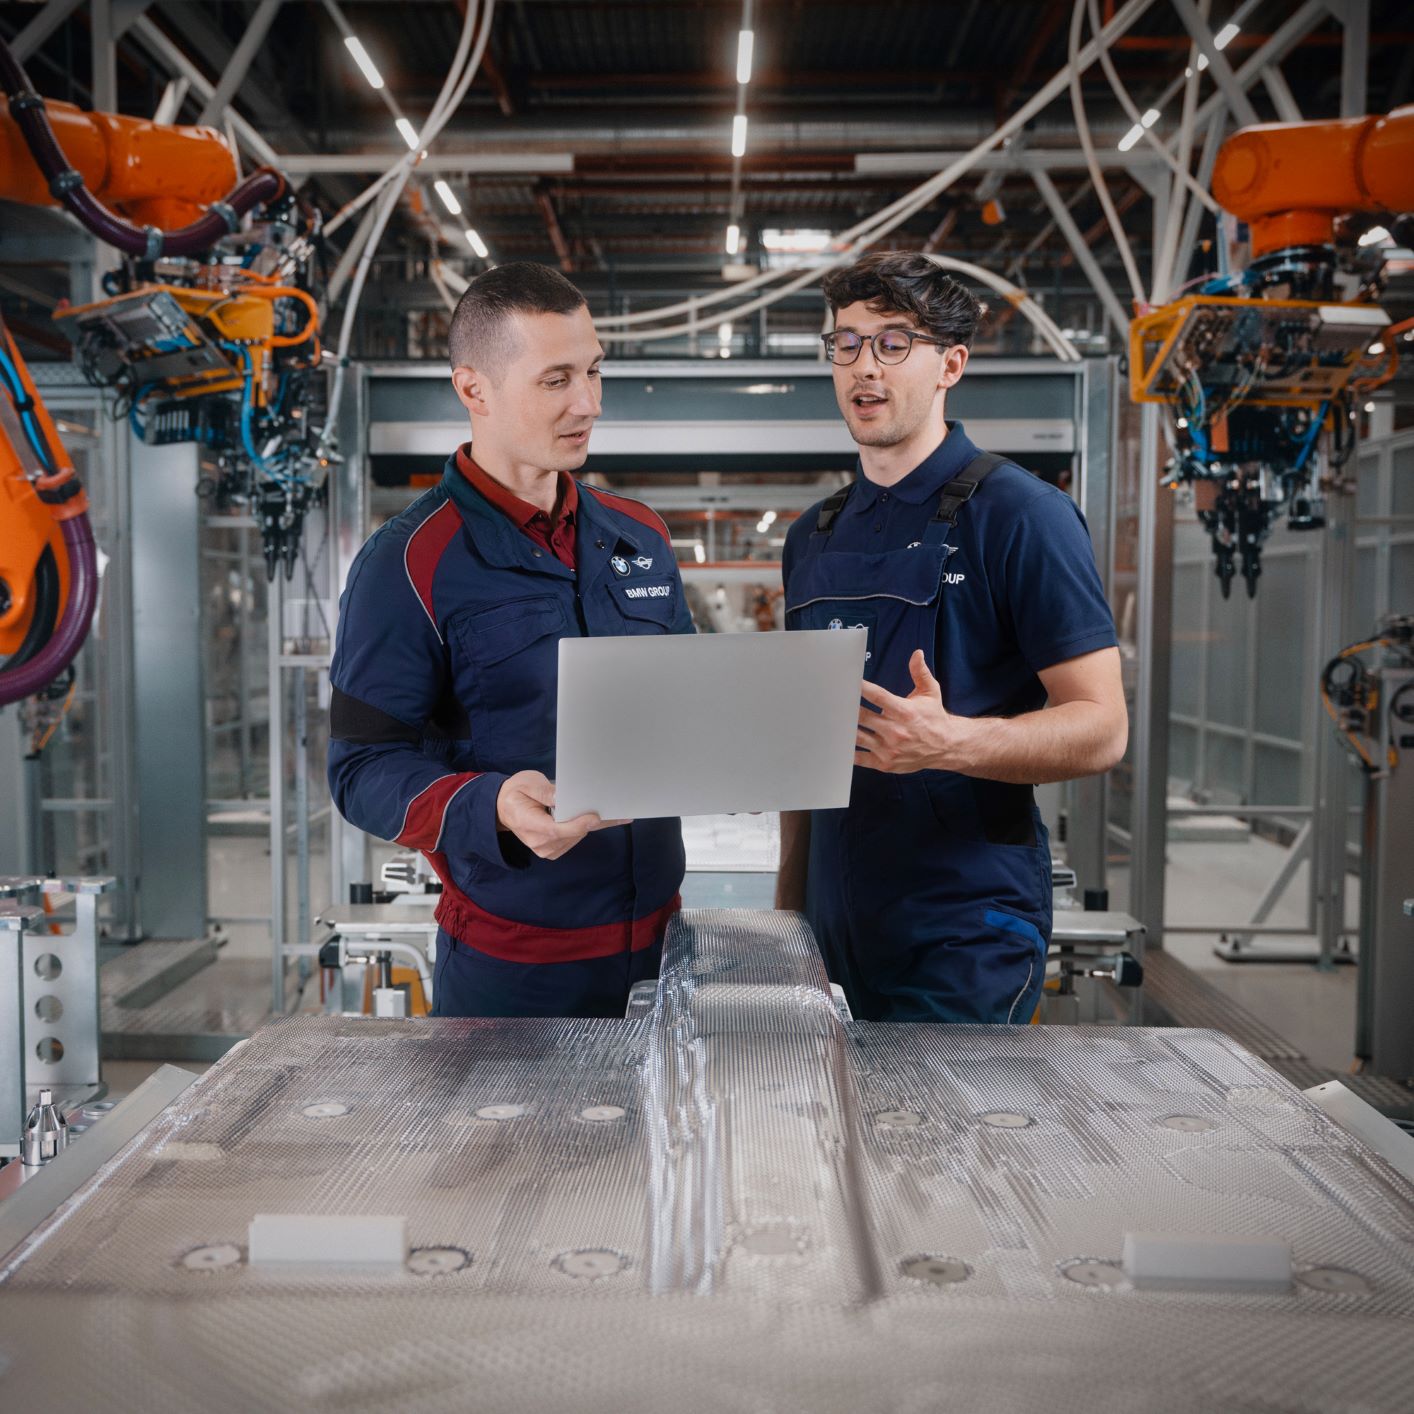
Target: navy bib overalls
x,y
930,895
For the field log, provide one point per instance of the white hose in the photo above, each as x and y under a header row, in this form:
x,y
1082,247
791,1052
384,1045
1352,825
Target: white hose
x,y
849,243
1087,146
1178,208
454,89
1131,108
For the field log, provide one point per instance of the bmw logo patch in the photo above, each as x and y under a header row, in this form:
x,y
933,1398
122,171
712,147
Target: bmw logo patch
x,y
619,565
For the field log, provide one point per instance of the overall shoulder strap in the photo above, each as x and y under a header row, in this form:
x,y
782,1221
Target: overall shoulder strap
x,y
960,489
825,521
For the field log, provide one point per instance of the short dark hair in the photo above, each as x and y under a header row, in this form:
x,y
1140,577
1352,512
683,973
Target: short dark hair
x,y
480,335
907,282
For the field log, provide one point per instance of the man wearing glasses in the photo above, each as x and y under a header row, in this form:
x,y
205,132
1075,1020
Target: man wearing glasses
x,y
975,581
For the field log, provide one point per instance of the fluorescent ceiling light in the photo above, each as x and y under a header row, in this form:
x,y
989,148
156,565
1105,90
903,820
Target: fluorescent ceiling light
x,y
1369,407
449,197
1130,138
1226,35
733,239
739,135
1376,349
408,132
1150,118
744,42
802,241
370,69
475,242
1374,236
724,333
699,553
769,518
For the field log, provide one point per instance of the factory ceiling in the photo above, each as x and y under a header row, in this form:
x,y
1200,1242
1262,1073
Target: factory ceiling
x,y
597,135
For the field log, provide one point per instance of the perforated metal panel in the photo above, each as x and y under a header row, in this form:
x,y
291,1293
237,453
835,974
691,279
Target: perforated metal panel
x,y
736,1203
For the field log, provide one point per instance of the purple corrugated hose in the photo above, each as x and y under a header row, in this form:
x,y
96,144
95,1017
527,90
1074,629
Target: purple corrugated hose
x,y
73,626
27,109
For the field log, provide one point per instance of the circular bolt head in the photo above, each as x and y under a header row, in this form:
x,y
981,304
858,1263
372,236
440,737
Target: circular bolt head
x,y
898,1119
1093,1274
437,1261
1189,1124
591,1263
500,1112
325,1109
214,1258
936,1271
602,1114
1006,1119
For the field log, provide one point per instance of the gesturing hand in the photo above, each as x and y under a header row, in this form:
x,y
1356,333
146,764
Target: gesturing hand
x,y
913,733
523,807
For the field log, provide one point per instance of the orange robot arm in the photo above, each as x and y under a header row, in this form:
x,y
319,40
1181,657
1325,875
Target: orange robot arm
x,y
154,173
1289,181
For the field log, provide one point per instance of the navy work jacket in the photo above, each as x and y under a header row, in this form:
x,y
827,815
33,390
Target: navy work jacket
x,y
444,679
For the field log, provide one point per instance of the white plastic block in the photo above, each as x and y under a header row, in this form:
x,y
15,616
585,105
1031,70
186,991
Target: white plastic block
x,y
344,1238
1207,1261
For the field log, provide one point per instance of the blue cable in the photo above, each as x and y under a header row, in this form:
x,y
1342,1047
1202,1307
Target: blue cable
x,y
15,387
1316,423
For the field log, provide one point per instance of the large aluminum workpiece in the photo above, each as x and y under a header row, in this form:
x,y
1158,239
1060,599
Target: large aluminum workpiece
x,y
735,1201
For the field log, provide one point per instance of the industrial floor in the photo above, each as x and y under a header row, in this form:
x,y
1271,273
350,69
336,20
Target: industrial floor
x,y
1209,883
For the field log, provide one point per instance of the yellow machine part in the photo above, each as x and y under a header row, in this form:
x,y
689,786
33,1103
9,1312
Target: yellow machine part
x,y
1155,374
154,173
244,317
402,977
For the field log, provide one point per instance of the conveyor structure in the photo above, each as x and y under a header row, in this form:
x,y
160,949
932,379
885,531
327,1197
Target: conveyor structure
x,y
733,1200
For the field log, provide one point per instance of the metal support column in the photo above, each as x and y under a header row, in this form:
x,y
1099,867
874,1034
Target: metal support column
x,y
1152,694
257,27
1087,803
348,529
1333,630
1355,58
169,709
275,601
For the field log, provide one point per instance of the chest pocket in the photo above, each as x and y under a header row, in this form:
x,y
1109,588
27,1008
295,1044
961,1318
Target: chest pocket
x,y
645,605
842,616
892,596
506,669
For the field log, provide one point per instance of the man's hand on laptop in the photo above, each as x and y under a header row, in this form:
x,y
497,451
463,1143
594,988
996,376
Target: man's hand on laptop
x,y
523,807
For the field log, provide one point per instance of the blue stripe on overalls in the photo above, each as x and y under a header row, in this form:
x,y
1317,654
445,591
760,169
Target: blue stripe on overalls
x,y
920,916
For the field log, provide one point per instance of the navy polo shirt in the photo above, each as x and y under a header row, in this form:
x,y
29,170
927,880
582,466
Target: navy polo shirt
x,y
1021,591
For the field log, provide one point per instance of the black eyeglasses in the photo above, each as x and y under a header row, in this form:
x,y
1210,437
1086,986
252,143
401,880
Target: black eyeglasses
x,y
890,345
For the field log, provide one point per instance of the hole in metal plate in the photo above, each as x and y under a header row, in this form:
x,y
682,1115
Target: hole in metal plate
x,y
936,1271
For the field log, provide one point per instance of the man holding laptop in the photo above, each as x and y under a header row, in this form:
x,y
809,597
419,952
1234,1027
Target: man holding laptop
x,y
976,586
443,713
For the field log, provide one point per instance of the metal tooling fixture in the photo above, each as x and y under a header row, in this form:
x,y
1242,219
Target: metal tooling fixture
x,y
790,1211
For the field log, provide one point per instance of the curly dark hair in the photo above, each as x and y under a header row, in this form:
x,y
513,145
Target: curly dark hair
x,y
907,282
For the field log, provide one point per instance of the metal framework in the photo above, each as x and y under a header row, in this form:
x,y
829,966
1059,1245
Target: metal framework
x,y
1176,217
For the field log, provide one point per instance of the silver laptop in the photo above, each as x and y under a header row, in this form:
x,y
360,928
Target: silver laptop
x,y
700,724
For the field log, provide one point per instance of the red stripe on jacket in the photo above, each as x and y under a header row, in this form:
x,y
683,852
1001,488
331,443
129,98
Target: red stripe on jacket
x,y
472,927
426,814
423,552
635,510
